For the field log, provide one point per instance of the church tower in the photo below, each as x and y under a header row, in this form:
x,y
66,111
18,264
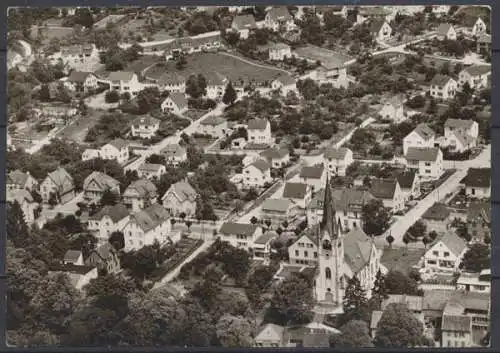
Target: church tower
x,y
329,280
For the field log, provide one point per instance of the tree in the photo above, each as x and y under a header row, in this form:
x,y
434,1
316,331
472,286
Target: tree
x,y
390,239
398,328
426,240
53,199
432,108
188,225
379,290
17,229
44,93
181,62
308,89
196,86
229,94
117,240
234,332
254,220
397,282
477,258
375,218
268,223
112,97
354,334
417,230
108,198
355,302
84,17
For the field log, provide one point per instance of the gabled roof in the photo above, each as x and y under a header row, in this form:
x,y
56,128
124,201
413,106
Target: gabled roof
x,y
453,242
17,177
151,167
478,70
72,255
145,120
244,22
459,123
116,212
478,177
118,143
62,179
383,188
314,172
232,228
178,99
143,187
484,38
150,217
104,181
422,154
351,199
23,195
275,153
278,46
171,78
406,178
440,80
357,249
213,120
336,153
295,190
78,76
438,212
424,131
257,124
265,238
376,25
183,190
276,330
279,13
443,29
437,299
105,251
457,323
121,76
413,302
261,165
173,151
279,205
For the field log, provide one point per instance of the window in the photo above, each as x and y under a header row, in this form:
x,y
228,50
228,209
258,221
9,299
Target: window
x,y
446,254
315,254
306,254
435,253
328,273
427,171
296,253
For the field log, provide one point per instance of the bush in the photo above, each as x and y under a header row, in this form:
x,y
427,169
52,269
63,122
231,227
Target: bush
x,y
112,97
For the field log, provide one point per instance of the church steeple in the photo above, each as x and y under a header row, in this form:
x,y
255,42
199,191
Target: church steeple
x,y
328,223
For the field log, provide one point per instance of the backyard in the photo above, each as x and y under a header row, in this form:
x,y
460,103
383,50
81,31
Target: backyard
x,y
401,259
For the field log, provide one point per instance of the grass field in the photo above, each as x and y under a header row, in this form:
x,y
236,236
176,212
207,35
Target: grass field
x,y
51,32
401,259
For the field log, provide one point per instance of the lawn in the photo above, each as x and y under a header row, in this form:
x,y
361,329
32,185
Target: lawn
x,y
51,32
401,259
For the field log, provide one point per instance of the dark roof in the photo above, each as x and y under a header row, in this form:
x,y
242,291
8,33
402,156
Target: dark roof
x,y
72,255
279,205
78,76
116,212
478,177
179,99
383,188
118,143
261,165
232,228
295,190
458,123
144,188
275,153
438,212
428,154
456,323
484,38
305,337
121,76
424,131
436,299
257,124
102,180
440,80
480,210
315,172
264,238
151,217
213,120
145,120
406,179
357,249
336,153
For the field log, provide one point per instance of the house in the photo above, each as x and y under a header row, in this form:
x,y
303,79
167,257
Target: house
x,y
479,27
393,109
259,131
312,335
96,184
277,157
479,221
314,157
279,52
278,19
146,226
239,143
145,127
179,199
90,153
151,170
421,136
277,210
483,44
257,174
27,204
337,160
460,135
175,103
445,254
18,180
446,31
380,30
140,194
437,218
285,84
104,257
262,246
300,194
304,251
243,24
409,183
214,126
78,57
389,191
73,257
79,81
240,235
476,76
216,86
270,335
124,82
172,82
174,154
379,13
116,149
108,220
427,161
443,87
456,331
477,183
475,282
60,184
312,175
79,275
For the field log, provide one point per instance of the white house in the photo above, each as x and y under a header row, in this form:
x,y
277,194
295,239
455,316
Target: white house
x,y
96,184
259,132
337,160
151,170
277,210
285,84
427,161
243,24
60,184
279,52
278,19
381,30
90,153
145,127
300,194
116,149
214,126
140,194
124,82
277,157
446,253
175,103
79,81
483,44
312,175
460,135
409,183
422,136
456,330
443,87
475,282
73,257
389,191
172,83
240,235
393,109
446,31
18,180
174,154
108,220
262,246
477,183
27,204
476,76
146,226
257,174
179,199
216,85
437,218
304,251
479,27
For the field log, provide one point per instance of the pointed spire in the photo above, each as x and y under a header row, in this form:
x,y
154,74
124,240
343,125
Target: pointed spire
x,y
328,221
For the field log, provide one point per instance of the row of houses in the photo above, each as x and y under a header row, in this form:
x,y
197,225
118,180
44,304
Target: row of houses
x,y
444,87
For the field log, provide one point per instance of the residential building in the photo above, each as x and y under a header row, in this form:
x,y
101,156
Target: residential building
x,y
216,86
27,204
446,31
73,257
179,199
104,257
311,335
445,254
98,183
145,127
443,87
381,30
304,251
393,109
187,45
483,44
18,180
477,183
151,170
262,246
279,52
409,182
437,218
116,149
460,135
259,132
214,126
479,27
314,175
172,82
82,82
108,220
175,103
421,136
79,276
257,174
389,191
240,235
124,82
146,226
174,154
427,161
278,19
300,194
90,153
270,335
60,184
379,13
456,331
277,210
244,25
479,221
276,157
476,76
475,282
337,160
314,157
140,194
78,57
285,84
